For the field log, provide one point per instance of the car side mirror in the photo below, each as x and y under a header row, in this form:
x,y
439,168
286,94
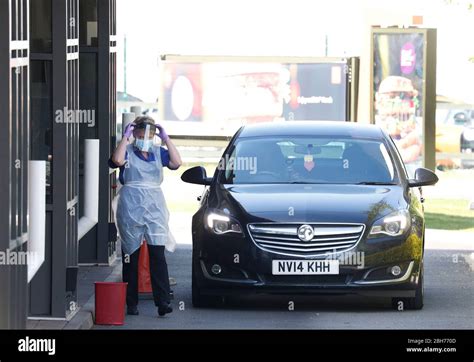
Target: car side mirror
x,y
196,175
423,177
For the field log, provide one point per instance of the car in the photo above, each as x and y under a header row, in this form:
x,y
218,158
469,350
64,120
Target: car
x,y
467,137
309,207
454,134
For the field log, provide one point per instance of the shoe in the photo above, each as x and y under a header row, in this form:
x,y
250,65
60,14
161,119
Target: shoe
x,y
164,309
132,310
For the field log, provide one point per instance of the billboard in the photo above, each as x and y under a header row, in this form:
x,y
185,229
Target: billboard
x,y
243,90
403,91
318,91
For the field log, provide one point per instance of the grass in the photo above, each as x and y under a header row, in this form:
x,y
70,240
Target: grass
x,y
439,213
449,214
445,214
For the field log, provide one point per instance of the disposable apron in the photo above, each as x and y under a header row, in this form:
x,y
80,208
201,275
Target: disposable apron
x,y
140,208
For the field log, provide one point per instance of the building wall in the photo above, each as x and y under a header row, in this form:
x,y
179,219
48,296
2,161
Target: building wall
x,y
98,95
14,157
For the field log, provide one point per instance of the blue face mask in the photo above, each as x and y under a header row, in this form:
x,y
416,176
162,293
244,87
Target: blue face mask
x,y
143,145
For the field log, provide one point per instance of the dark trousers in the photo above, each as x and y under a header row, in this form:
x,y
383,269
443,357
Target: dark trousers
x,y
158,271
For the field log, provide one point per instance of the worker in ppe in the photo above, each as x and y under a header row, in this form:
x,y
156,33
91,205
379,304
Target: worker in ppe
x,y
140,208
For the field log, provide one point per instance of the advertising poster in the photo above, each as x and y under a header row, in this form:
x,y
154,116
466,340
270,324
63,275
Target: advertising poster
x,y
318,92
398,91
238,93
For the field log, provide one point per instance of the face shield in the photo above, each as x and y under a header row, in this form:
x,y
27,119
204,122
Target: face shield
x,y
146,143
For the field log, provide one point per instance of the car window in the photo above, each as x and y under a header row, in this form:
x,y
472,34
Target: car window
x,y
228,167
309,160
458,117
399,158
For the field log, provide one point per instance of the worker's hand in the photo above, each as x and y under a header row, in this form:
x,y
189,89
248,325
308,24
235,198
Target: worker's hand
x,y
163,135
129,130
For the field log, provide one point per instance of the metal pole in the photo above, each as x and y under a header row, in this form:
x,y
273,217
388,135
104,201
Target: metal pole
x,y
326,43
125,64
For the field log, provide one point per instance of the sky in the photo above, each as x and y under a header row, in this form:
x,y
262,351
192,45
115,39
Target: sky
x,y
281,27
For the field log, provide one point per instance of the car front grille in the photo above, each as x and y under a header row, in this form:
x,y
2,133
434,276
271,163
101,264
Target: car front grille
x,y
328,238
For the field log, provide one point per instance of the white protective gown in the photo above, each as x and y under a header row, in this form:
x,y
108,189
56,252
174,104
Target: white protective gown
x,y
140,208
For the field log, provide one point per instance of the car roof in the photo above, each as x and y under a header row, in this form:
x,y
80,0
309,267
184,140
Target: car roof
x,y
312,128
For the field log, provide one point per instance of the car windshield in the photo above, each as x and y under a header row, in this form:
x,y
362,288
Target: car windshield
x,y
308,160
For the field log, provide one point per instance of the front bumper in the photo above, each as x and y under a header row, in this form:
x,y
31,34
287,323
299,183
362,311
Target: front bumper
x,y
347,282
246,269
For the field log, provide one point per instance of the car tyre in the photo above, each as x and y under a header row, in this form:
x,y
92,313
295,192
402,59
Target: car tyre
x,y
415,303
203,301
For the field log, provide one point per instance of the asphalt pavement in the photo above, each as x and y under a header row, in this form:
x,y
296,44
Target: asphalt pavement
x,y
449,292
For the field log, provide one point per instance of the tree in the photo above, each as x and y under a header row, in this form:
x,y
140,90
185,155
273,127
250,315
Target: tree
x,y
467,4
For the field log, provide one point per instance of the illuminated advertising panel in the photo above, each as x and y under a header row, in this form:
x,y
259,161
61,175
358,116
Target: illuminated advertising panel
x,y
402,85
238,92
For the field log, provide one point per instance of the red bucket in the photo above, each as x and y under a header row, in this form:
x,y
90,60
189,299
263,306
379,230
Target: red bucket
x,y
110,299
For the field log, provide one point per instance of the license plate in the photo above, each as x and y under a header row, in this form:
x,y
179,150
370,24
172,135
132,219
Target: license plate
x,y
305,267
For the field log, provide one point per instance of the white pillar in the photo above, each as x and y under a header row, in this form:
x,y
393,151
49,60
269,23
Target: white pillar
x,y
137,110
36,216
91,187
126,119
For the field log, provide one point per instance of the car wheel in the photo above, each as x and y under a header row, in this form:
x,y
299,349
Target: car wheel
x,y
200,300
415,303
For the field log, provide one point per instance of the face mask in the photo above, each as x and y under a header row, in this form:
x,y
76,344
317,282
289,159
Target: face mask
x,y
143,145
146,143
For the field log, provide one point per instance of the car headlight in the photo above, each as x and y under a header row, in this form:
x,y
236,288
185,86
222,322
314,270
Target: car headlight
x,y
468,134
221,223
393,224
